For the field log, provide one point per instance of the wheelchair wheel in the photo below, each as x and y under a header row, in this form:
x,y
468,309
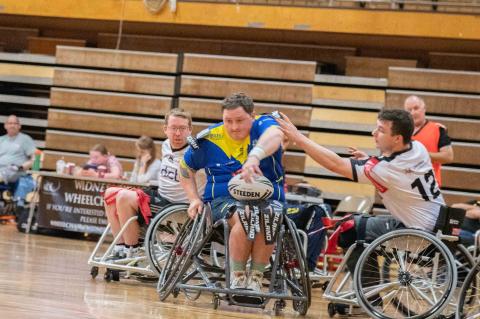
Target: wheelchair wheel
x,y
421,279
463,262
180,257
295,268
161,234
469,299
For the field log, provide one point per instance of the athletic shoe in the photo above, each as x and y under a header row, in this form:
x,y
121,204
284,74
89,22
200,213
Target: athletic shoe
x,y
238,280
254,282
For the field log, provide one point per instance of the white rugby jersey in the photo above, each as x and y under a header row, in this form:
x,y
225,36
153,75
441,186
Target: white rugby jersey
x,y
406,184
168,177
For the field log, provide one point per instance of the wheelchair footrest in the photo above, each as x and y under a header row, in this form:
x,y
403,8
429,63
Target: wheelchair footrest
x,y
250,300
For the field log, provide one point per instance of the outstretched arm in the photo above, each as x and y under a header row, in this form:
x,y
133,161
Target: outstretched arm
x,y
320,154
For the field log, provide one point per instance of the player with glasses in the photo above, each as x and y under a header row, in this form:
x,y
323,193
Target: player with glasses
x,y
122,204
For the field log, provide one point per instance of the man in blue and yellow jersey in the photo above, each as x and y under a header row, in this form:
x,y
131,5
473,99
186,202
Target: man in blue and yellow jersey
x,y
246,144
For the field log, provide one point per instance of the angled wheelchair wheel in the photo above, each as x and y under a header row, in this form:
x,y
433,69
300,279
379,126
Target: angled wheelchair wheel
x,y
180,258
420,282
161,234
469,299
294,266
463,263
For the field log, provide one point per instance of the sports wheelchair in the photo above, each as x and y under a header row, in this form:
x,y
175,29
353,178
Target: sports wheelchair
x,y
157,242
469,296
191,269
406,273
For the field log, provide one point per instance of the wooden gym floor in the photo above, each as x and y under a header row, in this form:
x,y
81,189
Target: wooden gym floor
x,y
48,277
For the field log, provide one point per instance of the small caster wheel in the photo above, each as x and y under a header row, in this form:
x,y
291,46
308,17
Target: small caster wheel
x,y
278,306
332,310
175,292
216,302
325,285
341,309
108,276
94,272
115,275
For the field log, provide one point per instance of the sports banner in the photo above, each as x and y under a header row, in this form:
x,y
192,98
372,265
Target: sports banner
x,y
72,204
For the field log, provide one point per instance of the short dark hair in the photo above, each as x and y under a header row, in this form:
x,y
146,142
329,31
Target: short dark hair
x,y
238,100
402,123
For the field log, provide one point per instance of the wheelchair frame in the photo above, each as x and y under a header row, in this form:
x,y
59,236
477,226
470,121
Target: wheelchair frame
x,y
343,290
129,265
186,263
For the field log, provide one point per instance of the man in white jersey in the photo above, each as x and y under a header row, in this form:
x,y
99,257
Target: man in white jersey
x,y
121,204
403,175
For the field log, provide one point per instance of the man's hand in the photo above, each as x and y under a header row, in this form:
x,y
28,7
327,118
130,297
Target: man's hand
x,y
288,129
250,169
196,207
357,154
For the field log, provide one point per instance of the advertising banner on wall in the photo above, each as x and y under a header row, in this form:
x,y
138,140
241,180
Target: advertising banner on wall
x,y
72,205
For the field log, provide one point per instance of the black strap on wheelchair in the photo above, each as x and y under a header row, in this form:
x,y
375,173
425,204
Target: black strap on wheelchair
x,y
362,228
449,220
272,219
243,218
254,221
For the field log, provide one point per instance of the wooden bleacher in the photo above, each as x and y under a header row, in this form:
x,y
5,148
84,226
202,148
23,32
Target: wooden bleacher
x,y
114,59
249,67
109,96
110,101
438,103
114,81
434,80
47,46
267,91
454,61
16,39
330,55
374,67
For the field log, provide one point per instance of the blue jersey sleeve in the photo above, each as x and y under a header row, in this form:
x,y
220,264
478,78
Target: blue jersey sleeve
x,y
263,123
195,159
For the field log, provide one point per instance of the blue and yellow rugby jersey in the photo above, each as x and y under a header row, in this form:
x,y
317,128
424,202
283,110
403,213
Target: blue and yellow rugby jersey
x,y
221,157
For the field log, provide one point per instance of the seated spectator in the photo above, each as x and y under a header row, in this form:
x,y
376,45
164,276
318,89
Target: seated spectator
x,y
16,156
121,204
99,156
147,166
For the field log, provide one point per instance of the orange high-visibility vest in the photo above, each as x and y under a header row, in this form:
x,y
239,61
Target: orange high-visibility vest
x,y
429,135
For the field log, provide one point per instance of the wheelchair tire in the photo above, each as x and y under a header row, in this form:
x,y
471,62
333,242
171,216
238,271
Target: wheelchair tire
x,y
469,299
295,267
463,262
161,234
415,256
180,256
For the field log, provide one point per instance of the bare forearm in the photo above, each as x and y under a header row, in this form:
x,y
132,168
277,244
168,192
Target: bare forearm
x,y
325,157
270,141
444,156
189,184
28,164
